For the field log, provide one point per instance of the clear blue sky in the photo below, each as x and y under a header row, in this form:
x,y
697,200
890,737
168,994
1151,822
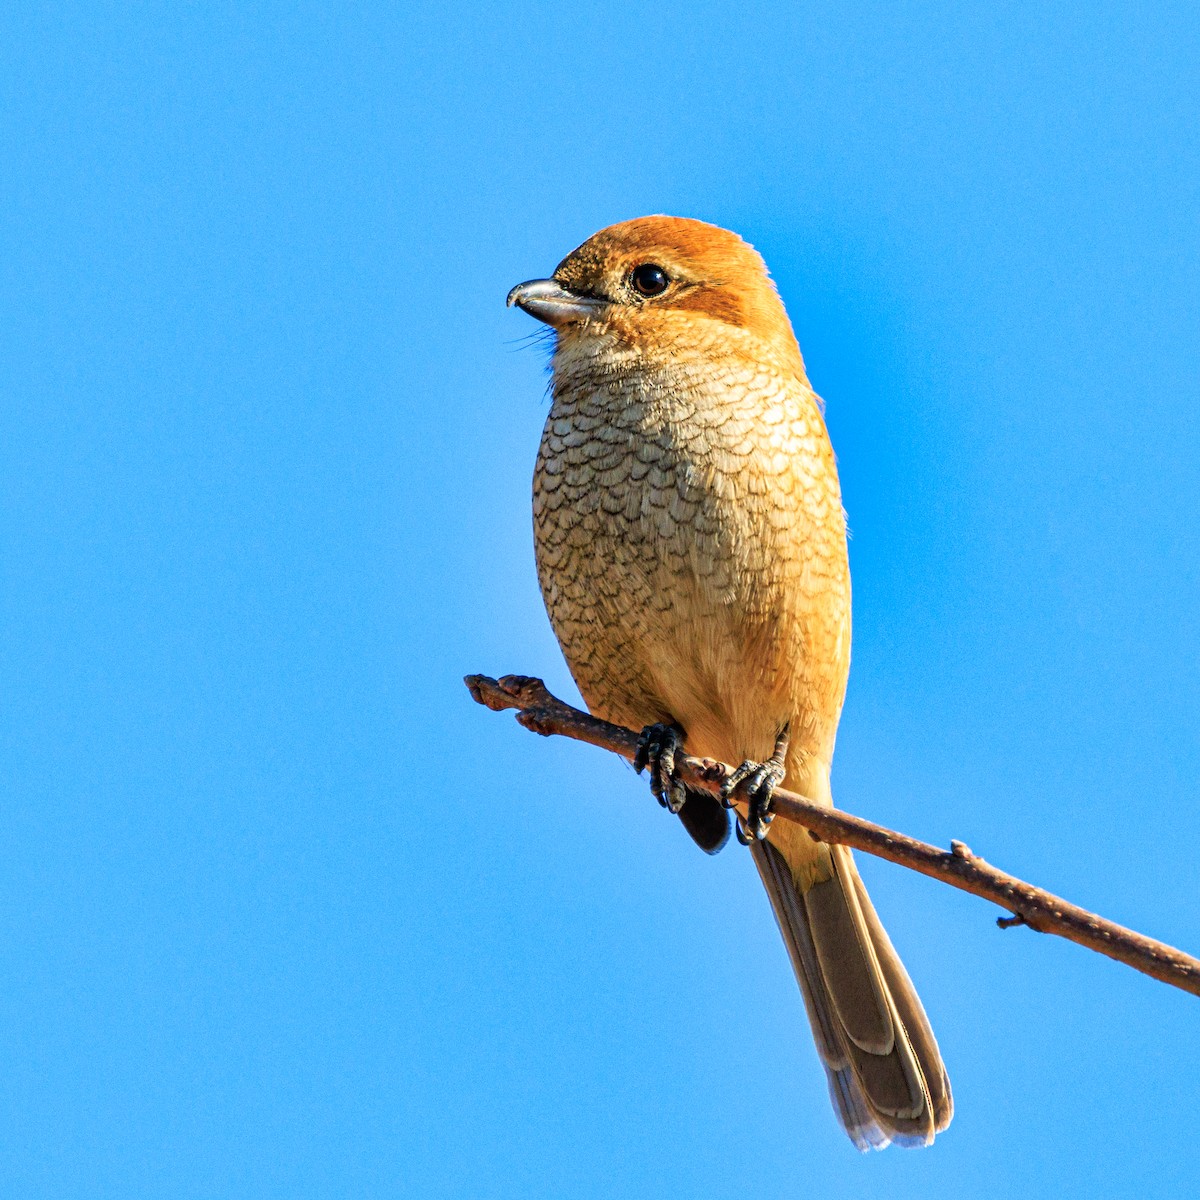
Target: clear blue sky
x,y
283,914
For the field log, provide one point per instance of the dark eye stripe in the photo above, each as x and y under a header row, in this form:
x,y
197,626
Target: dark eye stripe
x,y
649,279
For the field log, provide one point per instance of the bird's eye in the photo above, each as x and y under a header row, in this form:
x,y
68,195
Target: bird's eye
x,y
649,279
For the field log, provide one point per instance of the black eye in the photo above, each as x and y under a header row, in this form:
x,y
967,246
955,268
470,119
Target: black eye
x,y
649,279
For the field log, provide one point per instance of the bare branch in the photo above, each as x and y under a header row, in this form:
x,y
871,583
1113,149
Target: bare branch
x,y
543,713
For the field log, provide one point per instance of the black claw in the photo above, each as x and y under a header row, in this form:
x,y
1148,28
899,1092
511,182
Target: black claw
x,y
676,797
642,757
758,781
761,815
664,771
734,781
656,749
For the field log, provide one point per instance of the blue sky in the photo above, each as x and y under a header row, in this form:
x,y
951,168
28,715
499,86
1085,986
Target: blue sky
x,y
281,912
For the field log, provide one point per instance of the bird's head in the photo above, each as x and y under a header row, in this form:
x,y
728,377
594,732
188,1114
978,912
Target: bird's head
x,y
662,286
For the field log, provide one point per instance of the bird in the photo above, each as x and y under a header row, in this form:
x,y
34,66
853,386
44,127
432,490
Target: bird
x,y
691,547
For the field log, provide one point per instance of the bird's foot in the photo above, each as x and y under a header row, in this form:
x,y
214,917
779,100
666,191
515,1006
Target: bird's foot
x,y
656,749
758,780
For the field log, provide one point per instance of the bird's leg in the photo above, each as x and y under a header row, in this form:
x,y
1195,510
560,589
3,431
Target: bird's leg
x,y
656,749
759,781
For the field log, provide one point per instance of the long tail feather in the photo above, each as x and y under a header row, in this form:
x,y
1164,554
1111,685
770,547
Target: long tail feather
x,y
885,1073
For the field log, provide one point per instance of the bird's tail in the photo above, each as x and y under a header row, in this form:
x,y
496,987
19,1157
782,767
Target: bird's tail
x,y
886,1076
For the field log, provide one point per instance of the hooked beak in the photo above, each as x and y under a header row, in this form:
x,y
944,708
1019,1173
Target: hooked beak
x,y
549,301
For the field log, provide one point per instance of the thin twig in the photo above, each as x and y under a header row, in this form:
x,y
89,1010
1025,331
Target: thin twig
x,y
543,713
